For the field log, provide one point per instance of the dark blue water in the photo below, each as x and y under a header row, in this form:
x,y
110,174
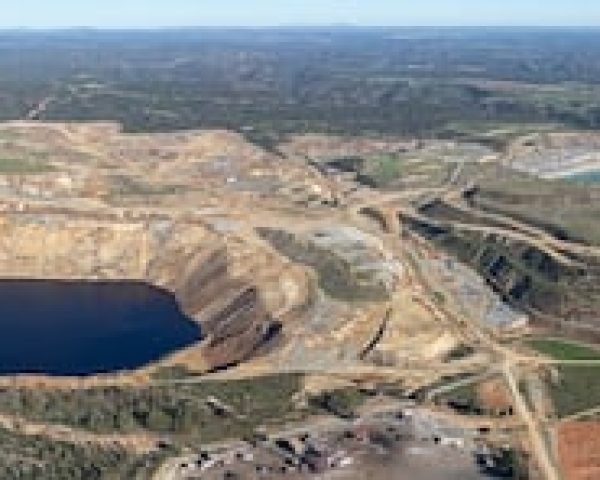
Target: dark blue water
x,y
79,328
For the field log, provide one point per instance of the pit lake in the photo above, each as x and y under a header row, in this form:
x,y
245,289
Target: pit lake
x,y
589,177
82,328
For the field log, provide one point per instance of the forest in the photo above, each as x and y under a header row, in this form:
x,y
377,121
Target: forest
x,y
267,83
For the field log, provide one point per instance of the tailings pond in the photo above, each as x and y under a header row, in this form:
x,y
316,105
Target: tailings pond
x,y
82,328
589,177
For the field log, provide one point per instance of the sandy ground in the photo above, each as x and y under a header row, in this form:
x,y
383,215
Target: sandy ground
x,y
494,394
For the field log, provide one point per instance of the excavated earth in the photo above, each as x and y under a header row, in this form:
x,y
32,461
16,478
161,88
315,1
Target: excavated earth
x,y
237,234
185,259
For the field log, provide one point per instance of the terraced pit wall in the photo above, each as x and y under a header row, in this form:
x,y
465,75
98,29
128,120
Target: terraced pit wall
x,y
185,259
558,295
336,275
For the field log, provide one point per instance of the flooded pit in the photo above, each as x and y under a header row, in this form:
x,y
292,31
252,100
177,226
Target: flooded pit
x,y
83,328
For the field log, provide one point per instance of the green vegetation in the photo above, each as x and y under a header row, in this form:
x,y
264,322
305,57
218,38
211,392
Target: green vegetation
x,y
126,186
336,276
384,170
567,209
419,169
342,402
466,394
438,297
510,463
568,295
576,389
23,166
175,372
32,457
564,350
459,353
466,400
393,390
182,410
496,135
271,83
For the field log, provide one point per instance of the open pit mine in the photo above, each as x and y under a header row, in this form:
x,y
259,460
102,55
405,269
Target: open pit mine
x,y
197,260
275,261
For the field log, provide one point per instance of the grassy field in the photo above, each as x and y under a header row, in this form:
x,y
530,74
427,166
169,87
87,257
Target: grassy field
x,y
14,166
384,170
564,350
563,207
576,389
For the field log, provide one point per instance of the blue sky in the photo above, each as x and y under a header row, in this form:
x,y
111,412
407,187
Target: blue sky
x,y
156,13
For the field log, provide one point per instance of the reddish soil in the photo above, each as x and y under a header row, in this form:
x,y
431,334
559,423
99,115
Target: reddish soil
x,y
579,450
494,394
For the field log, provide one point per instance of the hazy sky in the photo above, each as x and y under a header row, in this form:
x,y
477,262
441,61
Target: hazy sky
x,y
154,13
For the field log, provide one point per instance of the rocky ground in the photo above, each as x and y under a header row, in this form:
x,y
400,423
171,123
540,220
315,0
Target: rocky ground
x,y
189,212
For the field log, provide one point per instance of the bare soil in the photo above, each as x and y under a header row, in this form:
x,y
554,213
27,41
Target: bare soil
x,y
579,450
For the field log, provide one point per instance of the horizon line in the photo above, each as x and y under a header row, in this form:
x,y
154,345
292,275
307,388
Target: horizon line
x,y
287,26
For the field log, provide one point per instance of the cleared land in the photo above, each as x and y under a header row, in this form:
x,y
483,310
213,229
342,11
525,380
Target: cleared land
x,y
579,450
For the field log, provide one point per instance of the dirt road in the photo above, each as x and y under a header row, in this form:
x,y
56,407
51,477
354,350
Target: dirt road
x,y
538,446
